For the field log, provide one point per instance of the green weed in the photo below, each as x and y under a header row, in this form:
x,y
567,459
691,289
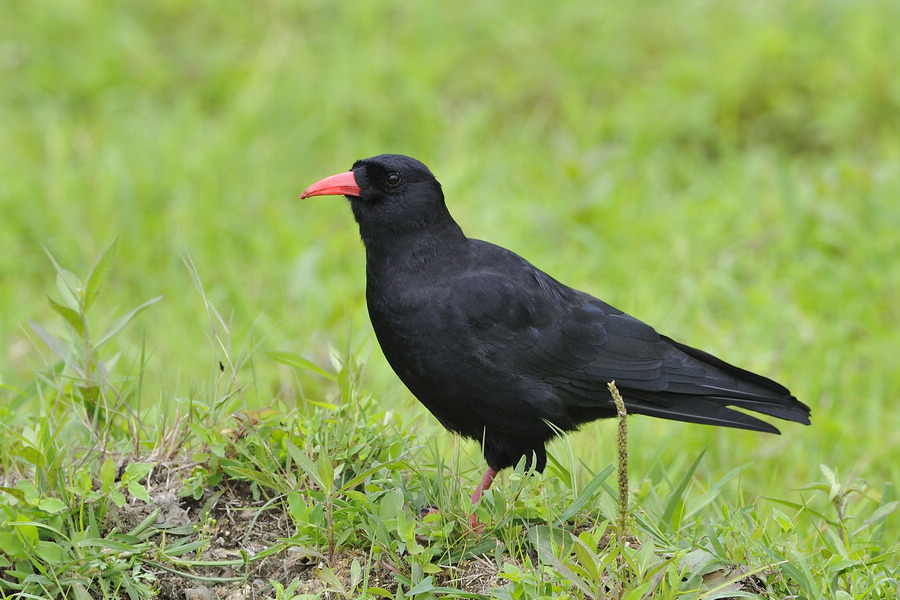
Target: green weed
x,y
727,172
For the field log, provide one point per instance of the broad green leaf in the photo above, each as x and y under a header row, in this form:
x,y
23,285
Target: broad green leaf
x,y
82,594
117,497
31,494
699,561
305,464
390,505
107,475
26,529
70,288
834,492
297,507
30,454
426,585
51,552
836,542
51,505
588,558
830,476
138,470
782,519
138,491
58,347
12,545
67,283
638,593
326,470
98,274
15,493
355,573
72,317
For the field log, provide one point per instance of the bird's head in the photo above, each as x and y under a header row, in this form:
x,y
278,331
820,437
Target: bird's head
x,y
389,193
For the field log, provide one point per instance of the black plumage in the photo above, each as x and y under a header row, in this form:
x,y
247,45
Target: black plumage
x,y
501,352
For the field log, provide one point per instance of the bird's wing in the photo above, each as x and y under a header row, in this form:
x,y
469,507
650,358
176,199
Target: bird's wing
x,y
528,323
546,330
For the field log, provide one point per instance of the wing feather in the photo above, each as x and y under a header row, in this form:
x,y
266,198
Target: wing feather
x,y
529,324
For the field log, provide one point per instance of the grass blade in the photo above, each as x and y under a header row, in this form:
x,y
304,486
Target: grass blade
x,y
586,494
122,321
298,362
98,273
677,494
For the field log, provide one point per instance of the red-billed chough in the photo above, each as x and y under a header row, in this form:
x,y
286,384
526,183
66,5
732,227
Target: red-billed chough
x,y
502,353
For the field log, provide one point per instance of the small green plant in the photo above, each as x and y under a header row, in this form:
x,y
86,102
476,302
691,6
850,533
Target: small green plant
x,y
82,378
52,540
622,454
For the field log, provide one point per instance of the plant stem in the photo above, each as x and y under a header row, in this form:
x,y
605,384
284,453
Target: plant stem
x,y
622,451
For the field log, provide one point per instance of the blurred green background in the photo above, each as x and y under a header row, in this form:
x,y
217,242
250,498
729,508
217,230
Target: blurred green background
x,y
728,172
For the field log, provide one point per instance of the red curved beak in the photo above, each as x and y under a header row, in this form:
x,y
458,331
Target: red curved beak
x,y
342,184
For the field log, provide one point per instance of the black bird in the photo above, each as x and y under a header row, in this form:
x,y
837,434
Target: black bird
x,y
502,353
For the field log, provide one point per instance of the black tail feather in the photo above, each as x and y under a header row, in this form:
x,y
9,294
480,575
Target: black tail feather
x,y
742,389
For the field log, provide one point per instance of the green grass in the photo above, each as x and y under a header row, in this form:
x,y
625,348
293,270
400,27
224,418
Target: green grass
x,y
726,172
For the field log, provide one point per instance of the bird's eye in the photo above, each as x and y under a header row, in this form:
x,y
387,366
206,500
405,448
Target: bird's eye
x,y
393,179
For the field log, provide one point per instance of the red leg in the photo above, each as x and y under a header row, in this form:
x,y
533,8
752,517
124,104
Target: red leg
x,y
485,484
